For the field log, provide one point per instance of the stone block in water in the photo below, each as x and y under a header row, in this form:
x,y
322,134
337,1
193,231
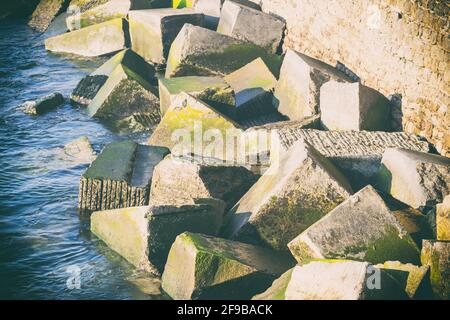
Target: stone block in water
x,y
44,104
46,12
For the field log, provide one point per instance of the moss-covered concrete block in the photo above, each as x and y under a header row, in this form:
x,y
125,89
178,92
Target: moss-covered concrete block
x,y
416,178
297,94
251,25
362,228
203,267
144,235
46,12
96,40
436,255
335,280
120,177
352,106
443,220
153,31
179,4
202,52
43,104
296,191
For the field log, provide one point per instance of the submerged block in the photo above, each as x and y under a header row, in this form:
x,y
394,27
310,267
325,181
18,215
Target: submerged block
x,y
143,235
245,23
97,40
352,106
297,94
291,195
443,220
416,178
45,12
436,255
202,52
120,177
44,104
202,267
153,31
361,228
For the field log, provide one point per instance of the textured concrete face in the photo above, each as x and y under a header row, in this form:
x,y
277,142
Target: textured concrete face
x,y
297,94
288,198
443,220
153,31
242,22
120,177
436,255
44,104
202,267
415,178
202,52
45,12
97,40
362,229
352,106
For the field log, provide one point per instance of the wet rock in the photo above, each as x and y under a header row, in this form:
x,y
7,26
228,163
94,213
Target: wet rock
x,y
178,180
45,12
415,178
202,267
413,221
120,177
334,280
292,194
96,40
80,149
297,94
43,105
245,23
253,85
127,100
436,255
361,228
352,106
443,219
143,235
153,31
202,52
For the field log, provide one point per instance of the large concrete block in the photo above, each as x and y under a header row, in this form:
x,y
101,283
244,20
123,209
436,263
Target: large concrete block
x,y
436,255
202,267
415,178
443,220
361,228
153,31
334,280
44,104
144,235
352,106
46,12
202,52
291,195
178,180
297,94
253,85
120,177
97,40
248,24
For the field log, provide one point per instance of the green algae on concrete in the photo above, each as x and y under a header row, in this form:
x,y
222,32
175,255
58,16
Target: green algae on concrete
x,y
277,290
203,267
363,229
436,255
443,220
96,40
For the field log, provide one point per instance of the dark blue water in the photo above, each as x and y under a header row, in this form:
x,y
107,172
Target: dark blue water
x,y
42,236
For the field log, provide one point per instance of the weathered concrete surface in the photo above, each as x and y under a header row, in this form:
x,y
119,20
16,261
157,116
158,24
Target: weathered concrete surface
x,y
45,12
81,149
202,267
96,40
213,90
127,100
443,220
143,235
178,180
288,198
412,220
245,23
415,178
334,280
361,228
253,85
202,52
416,283
153,31
352,106
43,105
120,177
186,122
436,254
297,94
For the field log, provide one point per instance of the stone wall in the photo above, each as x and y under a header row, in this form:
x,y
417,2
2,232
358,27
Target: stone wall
x,y
395,46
